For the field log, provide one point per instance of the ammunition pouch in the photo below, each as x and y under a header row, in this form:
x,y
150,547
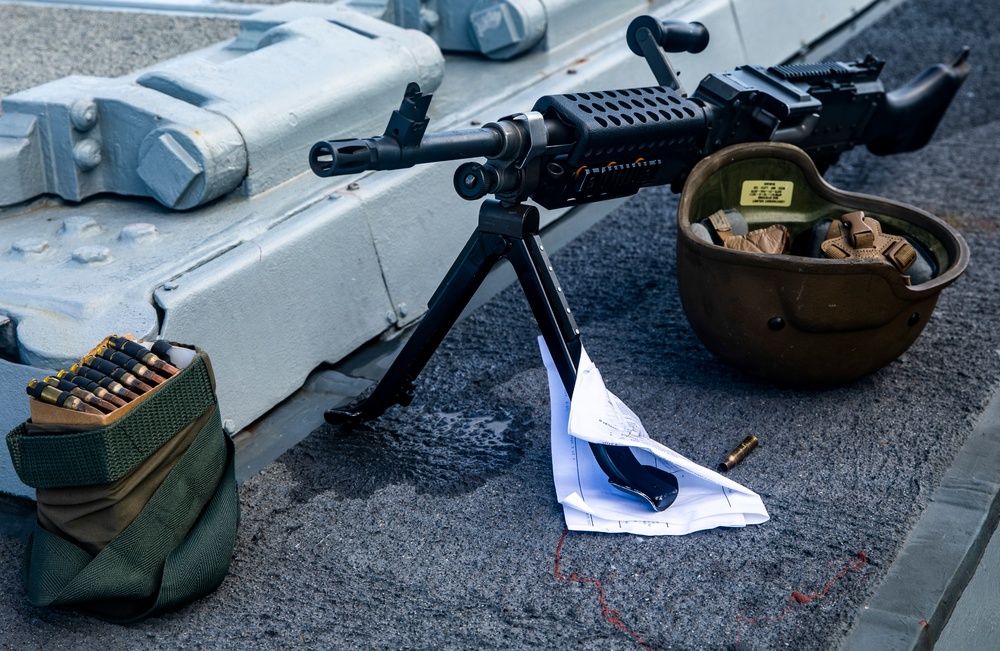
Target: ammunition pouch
x,y
136,517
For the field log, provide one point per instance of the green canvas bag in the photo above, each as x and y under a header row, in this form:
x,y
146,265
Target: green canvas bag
x,y
137,517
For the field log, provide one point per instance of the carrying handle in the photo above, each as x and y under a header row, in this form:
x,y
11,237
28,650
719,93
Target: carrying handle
x,y
671,35
649,38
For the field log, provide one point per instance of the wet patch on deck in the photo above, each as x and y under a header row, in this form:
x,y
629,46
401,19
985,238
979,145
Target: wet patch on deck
x,y
444,454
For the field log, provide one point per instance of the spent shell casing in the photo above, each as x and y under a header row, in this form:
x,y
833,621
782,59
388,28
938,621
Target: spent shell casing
x,y
117,373
90,385
108,383
141,353
739,453
82,394
48,393
129,363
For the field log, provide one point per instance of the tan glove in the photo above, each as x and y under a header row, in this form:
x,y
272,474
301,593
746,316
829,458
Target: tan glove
x,y
772,239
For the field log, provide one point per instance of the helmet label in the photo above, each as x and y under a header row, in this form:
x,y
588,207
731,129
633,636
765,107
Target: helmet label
x,y
767,193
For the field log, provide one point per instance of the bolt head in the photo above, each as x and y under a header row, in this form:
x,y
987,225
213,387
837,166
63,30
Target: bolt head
x,y
87,154
170,166
92,254
502,29
139,232
30,245
83,114
79,225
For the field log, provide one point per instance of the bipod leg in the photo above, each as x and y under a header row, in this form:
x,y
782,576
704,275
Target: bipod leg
x,y
562,337
467,273
507,231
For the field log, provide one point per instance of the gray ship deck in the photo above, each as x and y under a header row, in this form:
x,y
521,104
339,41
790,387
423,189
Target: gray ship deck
x,y
436,527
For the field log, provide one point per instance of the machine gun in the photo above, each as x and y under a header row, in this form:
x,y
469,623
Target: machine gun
x,y
590,146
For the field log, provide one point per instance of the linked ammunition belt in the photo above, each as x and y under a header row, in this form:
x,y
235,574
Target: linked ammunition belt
x,y
116,373
105,455
135,515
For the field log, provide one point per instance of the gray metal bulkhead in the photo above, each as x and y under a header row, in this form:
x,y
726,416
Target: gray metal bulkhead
x,y
199,126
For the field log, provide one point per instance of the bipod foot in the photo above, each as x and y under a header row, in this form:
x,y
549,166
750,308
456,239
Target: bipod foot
x,y
660,493
371,407
655,485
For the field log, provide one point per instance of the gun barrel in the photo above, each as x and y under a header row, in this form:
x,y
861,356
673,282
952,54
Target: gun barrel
x,y
339,157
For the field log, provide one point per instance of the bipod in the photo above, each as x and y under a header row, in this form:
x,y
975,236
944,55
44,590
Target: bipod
x,y
507,231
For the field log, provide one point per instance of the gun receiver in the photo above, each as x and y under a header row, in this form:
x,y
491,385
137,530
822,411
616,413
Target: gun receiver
x,y
582,147
591,146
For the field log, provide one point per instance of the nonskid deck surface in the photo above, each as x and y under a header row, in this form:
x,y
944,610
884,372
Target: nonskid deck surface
x,y
435,526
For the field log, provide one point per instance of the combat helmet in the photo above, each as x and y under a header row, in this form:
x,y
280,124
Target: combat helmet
x,y
848,285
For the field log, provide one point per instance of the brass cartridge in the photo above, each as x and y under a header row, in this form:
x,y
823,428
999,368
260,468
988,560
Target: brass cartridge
x,y
130,364
142,354
82,394
92,386
108,383
53,396
116,372
739,453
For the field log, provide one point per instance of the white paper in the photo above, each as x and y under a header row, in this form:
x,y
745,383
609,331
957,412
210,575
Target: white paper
x,y
705,499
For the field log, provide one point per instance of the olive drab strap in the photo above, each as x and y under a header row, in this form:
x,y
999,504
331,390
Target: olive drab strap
x,y
720,224
856,235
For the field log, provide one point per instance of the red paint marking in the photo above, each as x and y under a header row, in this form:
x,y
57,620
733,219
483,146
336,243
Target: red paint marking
x,y
798,597
609,613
